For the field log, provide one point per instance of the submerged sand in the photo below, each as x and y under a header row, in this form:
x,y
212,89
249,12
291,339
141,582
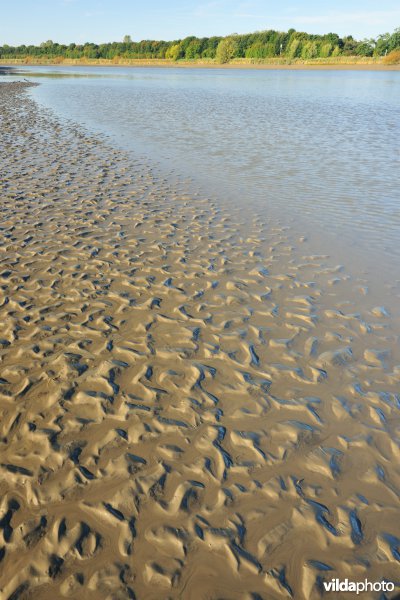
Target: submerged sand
x,y
190,408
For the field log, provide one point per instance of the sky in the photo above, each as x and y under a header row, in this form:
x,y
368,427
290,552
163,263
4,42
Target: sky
x,y
66,21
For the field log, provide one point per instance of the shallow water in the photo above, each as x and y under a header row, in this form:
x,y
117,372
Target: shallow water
x,y
319,148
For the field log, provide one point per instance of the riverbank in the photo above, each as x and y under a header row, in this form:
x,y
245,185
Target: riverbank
x,y
191,406
337,63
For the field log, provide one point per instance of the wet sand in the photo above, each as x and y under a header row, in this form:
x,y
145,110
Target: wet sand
x,y
191,407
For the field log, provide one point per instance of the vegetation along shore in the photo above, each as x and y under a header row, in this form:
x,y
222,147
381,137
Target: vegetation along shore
x,y
273,48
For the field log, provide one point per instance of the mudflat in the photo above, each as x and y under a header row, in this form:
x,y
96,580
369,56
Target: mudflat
x,y
192,405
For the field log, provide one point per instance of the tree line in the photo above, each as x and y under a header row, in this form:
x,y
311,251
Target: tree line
x,y
260,45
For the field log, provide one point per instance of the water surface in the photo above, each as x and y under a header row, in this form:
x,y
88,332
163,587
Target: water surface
x,y
317,148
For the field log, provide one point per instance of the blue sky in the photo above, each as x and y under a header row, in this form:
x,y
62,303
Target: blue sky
x,y
65,21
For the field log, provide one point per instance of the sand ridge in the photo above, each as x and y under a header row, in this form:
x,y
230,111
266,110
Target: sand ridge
x,y
190,407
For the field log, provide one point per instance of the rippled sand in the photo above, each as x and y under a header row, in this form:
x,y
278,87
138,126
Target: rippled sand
x,y
190,409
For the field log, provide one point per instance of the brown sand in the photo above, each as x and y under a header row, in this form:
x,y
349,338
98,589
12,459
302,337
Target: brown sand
x,y
190,409
316,65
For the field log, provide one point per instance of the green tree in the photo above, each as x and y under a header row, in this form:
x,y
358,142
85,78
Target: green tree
x,y
309,50
394,40
256,50
332,38
90,51
349,45
259,45
174,52
382,44
193,50
260,50
226,50
210,47
365,48
294,49
325,50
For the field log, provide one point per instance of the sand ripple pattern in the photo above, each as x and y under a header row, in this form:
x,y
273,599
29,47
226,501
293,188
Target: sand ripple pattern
x,y
189,408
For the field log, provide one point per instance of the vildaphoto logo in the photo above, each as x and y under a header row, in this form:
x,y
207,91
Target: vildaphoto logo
x,y
344,585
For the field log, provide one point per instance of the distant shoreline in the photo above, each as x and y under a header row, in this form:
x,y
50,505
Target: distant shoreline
x,y
350,64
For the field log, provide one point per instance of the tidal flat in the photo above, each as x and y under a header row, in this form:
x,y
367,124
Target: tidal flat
x,y
192,404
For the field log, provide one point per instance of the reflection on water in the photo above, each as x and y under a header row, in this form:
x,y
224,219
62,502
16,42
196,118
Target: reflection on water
x,y
321,146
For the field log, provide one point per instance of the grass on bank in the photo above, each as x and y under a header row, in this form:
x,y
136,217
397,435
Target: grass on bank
x,y
391,59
